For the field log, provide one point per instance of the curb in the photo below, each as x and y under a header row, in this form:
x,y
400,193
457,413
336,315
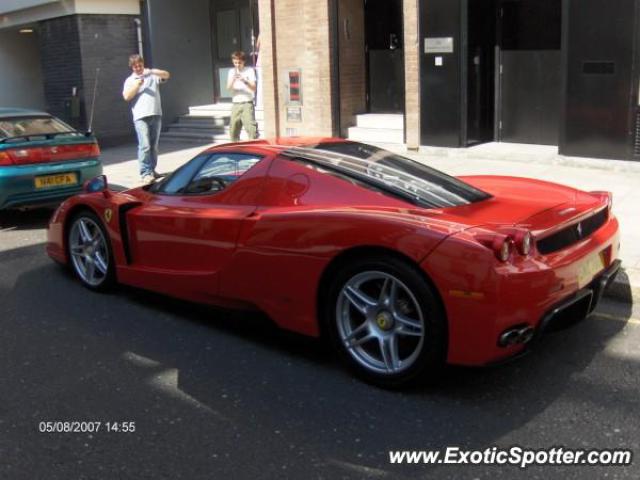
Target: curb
x,y
530,155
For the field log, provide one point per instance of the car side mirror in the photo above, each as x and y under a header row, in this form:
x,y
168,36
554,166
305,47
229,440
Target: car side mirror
x,y
97,184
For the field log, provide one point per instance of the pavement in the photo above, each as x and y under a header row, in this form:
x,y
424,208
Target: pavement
x,y
620,177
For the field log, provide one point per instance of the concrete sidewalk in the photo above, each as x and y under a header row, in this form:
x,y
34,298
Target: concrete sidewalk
x,y
535,161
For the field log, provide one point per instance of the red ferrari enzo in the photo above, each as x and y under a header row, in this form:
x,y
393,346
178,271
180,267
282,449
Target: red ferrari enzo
x,y
403,267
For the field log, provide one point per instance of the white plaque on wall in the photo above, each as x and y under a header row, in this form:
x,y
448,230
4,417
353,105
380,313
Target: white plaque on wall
x,y
438,45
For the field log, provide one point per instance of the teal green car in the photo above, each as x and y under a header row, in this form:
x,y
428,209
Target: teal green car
x,y
42,159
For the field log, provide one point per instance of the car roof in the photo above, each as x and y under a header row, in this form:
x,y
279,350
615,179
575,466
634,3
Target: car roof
x,y
6,112
277,144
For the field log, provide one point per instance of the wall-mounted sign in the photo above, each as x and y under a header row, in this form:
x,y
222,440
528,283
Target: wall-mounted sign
x,y
438,45
294,114
294,87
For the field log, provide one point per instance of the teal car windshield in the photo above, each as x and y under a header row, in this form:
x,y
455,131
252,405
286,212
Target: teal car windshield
x,y
32,126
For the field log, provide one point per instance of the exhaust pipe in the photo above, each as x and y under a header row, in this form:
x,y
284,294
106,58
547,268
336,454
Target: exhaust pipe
x,y
515,336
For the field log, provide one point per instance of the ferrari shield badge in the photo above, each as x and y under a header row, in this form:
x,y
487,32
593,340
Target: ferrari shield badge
x,y
108,213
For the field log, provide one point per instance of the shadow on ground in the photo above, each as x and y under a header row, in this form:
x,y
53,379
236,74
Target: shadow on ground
x,y
26,219
208,385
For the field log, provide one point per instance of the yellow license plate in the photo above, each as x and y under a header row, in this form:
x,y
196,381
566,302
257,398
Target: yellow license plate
x,y
56,180
589,268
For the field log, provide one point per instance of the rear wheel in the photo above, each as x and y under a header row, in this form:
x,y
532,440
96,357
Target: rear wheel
x,y
89,250
386,322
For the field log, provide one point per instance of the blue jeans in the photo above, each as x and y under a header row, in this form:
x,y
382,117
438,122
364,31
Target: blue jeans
x,y
148,132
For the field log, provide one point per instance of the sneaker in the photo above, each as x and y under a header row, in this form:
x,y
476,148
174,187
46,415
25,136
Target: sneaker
x,y
147,179
156,174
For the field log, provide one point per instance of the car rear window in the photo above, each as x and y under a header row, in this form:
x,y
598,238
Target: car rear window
x,y
32,126
391,173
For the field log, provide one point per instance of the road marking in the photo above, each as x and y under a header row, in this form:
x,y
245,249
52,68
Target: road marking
x,y
629,321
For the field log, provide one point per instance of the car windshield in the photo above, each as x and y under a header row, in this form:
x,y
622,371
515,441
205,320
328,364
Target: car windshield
x,y
392,173
32,126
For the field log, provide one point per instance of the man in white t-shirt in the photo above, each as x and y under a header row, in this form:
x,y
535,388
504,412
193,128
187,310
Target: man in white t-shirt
x,y
241,80
142,89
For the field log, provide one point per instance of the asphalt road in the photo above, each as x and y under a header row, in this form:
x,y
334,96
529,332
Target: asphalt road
x,y
215,394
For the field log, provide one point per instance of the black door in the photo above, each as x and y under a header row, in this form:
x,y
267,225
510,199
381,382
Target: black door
x,y
529,71
234,26
602,116
480,69
385,56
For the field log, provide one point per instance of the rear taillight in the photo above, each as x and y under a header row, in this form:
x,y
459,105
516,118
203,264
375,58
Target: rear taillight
x,y
5,159
523,241
502,246
72,152
509,239
58,153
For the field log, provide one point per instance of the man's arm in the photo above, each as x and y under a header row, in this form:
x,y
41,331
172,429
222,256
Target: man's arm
x,y
250,81
163,74
231,76
131,89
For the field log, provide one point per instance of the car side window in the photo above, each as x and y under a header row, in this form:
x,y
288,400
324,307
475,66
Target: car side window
x,y
219,171
177,182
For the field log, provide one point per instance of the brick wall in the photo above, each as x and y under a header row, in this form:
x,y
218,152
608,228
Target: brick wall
x,y
71,49
270,80
60,55
411,73
294,34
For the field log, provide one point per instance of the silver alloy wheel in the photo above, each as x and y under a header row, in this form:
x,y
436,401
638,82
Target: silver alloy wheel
x,y
88,250
380,322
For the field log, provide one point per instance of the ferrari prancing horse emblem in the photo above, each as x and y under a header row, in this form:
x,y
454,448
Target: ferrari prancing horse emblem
x,y
108,213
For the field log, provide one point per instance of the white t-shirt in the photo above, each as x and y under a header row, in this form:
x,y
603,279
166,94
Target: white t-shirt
x,y
240,90
147,100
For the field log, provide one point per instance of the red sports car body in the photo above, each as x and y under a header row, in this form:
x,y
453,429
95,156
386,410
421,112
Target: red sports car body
x,y
405,268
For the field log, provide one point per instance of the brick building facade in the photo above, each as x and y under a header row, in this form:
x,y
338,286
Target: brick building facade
x,y
448,73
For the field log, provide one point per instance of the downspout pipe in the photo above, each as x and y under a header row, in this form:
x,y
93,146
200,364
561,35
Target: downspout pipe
x,y
138,23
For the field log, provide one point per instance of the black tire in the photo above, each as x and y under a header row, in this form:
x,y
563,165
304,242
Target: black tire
x,y
397,319
88,244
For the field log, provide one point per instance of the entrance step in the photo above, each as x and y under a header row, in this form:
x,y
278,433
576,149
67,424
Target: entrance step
x,y
206,124
218,110
378,128
380,120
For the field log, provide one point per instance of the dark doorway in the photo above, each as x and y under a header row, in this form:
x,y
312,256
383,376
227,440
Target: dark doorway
x,y
602,112
234,26
480,75
385,56
529,71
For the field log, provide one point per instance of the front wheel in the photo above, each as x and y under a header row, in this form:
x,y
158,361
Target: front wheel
x,y
89,251
386,322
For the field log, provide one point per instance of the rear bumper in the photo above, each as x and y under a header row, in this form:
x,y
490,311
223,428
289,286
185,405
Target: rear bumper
x,y
568,312
17,183
580,305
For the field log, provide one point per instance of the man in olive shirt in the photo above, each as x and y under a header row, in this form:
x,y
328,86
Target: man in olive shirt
x,y
241,80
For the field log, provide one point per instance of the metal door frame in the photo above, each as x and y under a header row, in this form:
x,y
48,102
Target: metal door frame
x,y
214,8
